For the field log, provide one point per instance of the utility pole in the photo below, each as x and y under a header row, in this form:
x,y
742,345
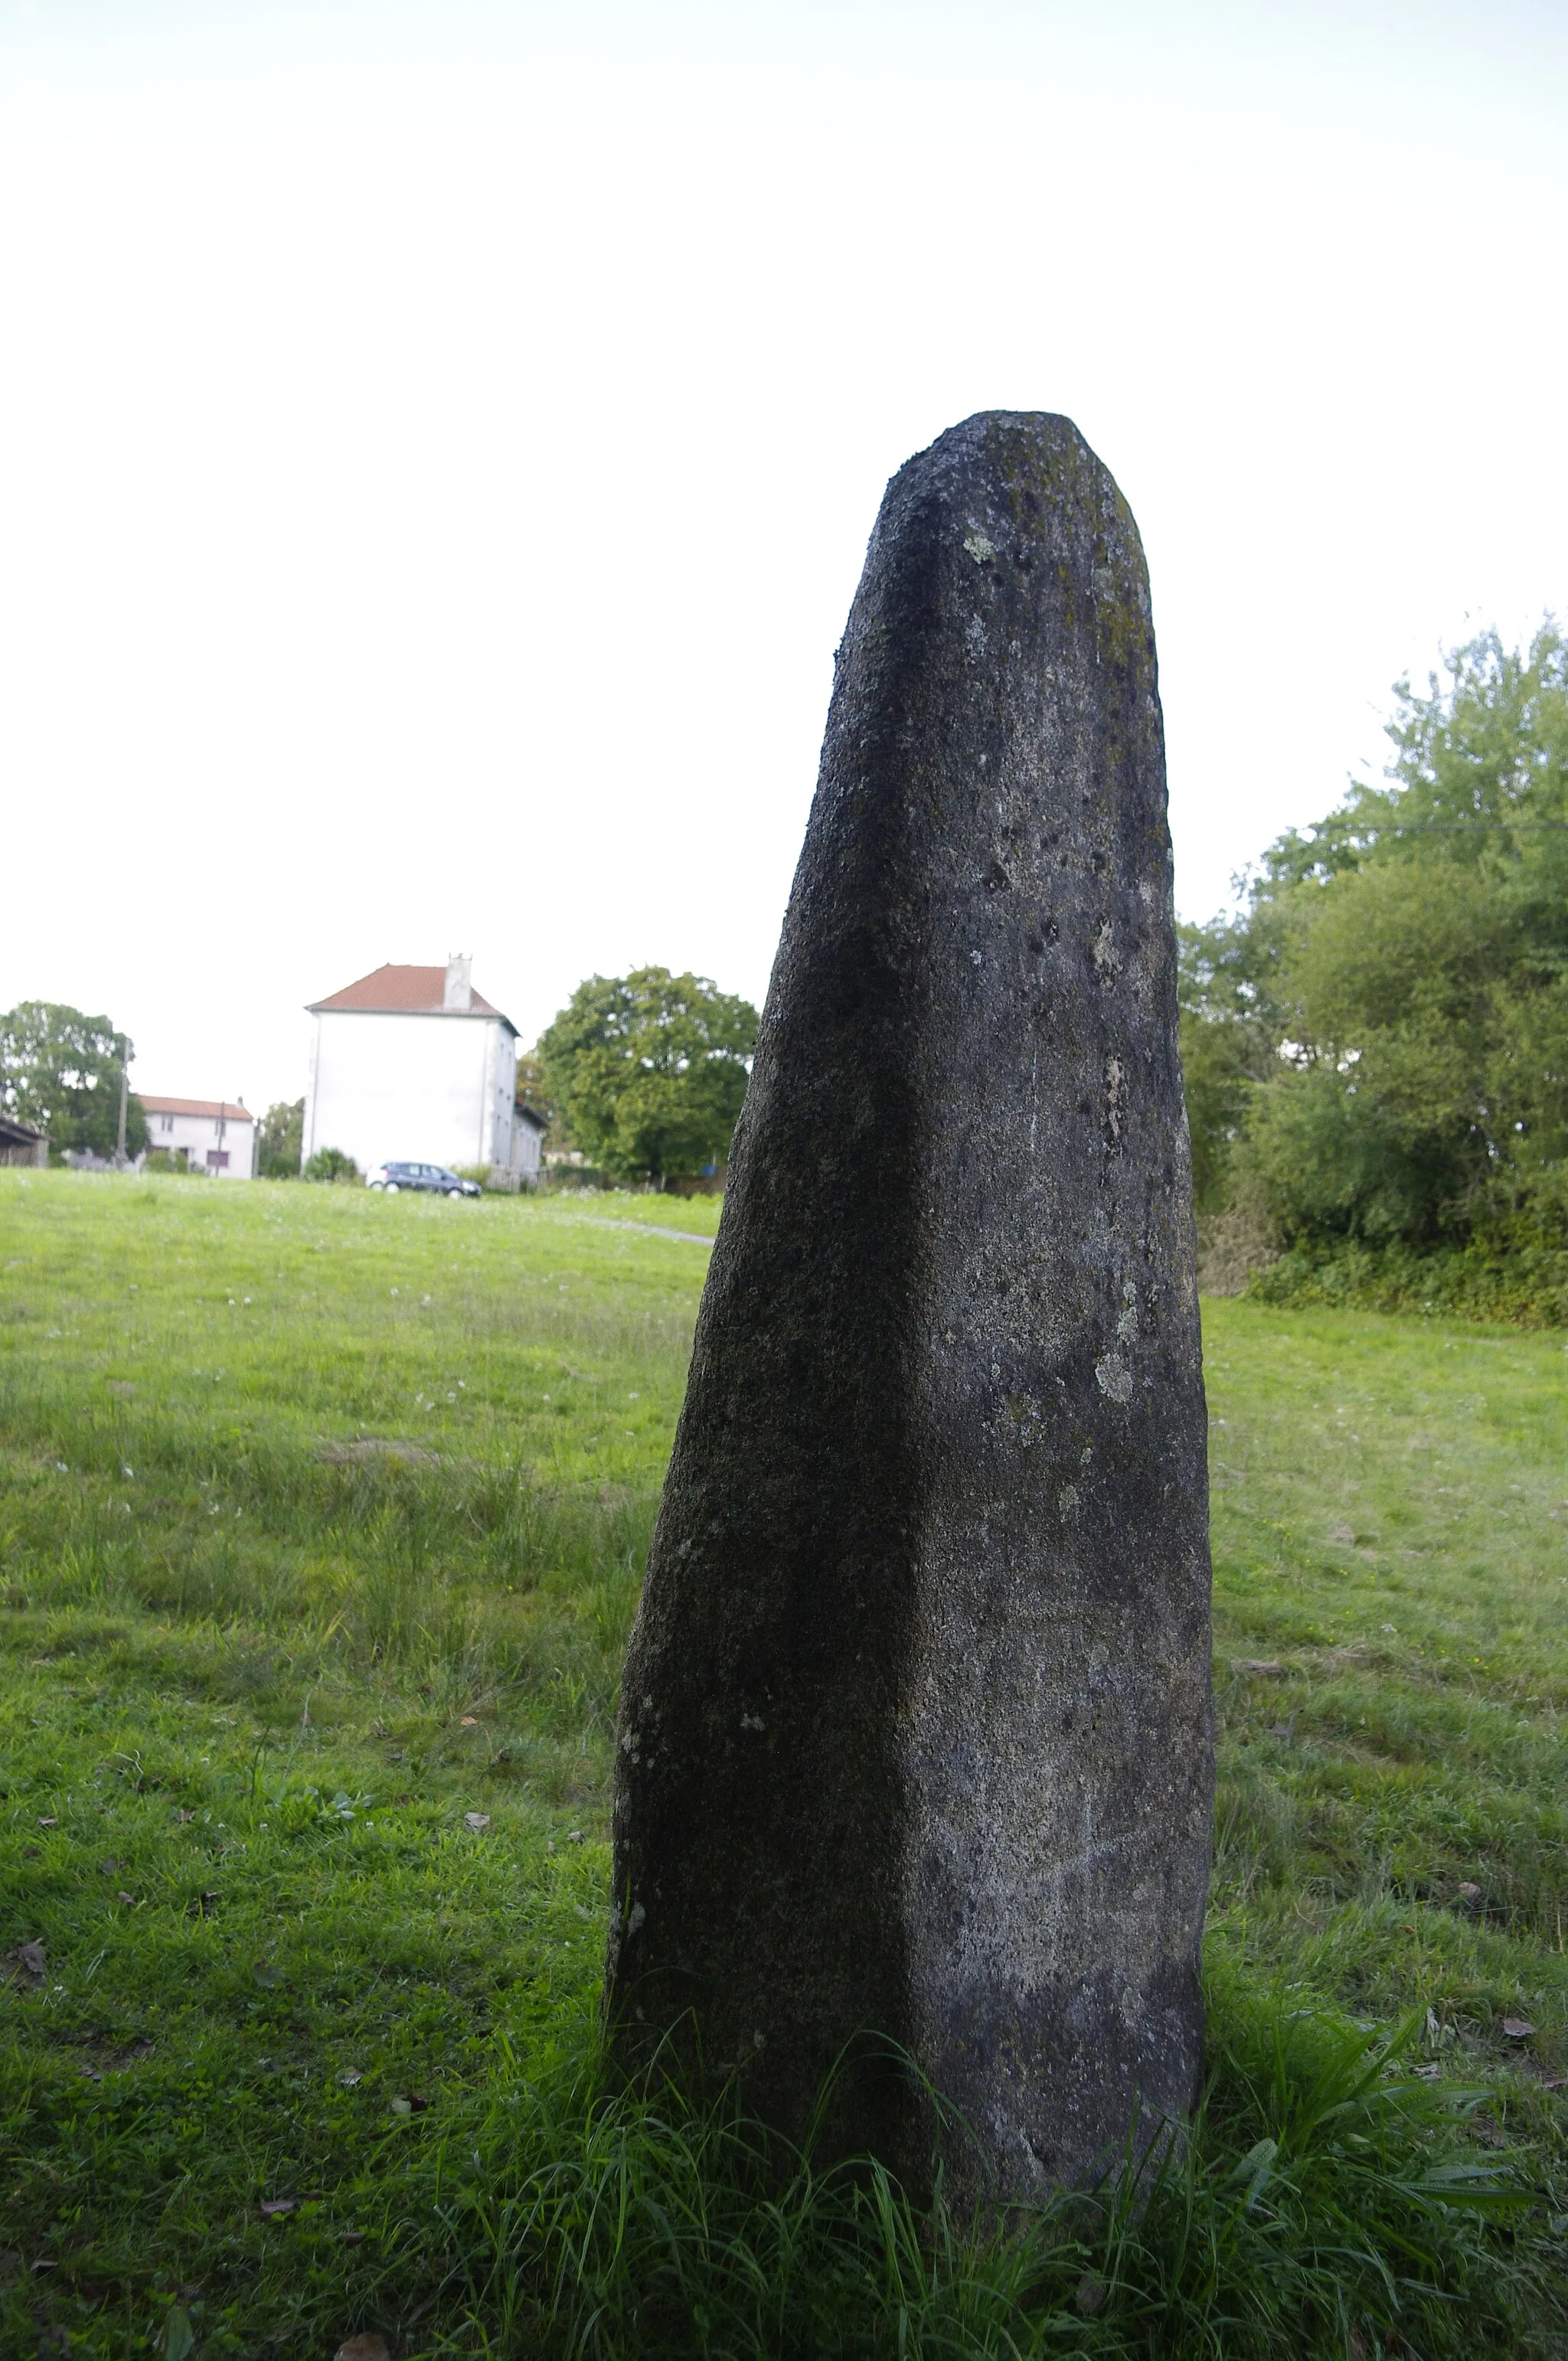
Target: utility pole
x,y
125,1091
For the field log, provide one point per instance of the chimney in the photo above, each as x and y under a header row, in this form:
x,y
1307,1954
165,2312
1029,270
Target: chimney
x,y
459,992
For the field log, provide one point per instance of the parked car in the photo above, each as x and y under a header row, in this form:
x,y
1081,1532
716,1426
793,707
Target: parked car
x,y
433,1179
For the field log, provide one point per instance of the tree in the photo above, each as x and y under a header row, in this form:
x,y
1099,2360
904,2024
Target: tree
x,y
282,1137
648,1071
60,1071
1388,1018
533,1092
1225,987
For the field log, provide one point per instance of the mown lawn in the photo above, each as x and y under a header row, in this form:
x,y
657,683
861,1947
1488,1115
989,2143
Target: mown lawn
x,y
322,1518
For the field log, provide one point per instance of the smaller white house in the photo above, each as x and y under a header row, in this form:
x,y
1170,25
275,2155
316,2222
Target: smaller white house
x,y
214,1137
411,1064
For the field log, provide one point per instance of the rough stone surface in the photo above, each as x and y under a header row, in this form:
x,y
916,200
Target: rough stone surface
x,y
915,1739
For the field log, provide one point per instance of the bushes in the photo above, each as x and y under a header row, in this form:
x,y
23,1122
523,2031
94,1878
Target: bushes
x,y
331,1164
1486,1278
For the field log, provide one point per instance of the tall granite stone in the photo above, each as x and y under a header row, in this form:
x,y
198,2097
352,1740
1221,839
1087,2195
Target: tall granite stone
x,y
915,1732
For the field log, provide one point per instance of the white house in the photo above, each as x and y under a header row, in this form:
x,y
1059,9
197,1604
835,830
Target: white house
x,y
215,1136
411,1063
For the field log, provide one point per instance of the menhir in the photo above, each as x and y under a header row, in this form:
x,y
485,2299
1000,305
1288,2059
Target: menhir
x,y
915,1763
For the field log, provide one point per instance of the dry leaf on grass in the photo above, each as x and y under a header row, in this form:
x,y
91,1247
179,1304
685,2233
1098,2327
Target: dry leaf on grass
x,y
1517,2029
478,1821
363,2348
271,2205
349,2078
31,1956
48,1820
1257,1666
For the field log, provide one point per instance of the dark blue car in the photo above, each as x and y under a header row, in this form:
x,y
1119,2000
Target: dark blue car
x,y
434,1179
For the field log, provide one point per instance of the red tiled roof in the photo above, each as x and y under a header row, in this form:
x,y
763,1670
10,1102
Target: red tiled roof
x,y
413,991
193,1106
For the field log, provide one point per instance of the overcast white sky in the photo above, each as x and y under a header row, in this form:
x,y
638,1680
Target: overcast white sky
x,y
438,440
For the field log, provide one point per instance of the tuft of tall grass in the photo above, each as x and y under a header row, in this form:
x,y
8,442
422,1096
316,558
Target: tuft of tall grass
x,y
1325,2201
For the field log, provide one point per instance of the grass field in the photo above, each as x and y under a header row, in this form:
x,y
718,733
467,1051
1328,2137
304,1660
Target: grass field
x,y
321,1529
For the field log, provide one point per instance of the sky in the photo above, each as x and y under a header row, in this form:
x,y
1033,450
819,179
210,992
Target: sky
x,y
439,439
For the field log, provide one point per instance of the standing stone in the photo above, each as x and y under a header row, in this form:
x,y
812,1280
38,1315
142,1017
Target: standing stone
x,y
915,1736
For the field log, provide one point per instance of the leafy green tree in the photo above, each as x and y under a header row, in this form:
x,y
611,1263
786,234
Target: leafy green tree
x,y
282,1137
648,1071
60,1070
1380,1041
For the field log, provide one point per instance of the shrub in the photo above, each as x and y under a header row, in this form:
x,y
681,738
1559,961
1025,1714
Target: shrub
x,y
332,1164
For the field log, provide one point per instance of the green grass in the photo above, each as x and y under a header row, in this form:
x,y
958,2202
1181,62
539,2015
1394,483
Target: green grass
x,y
322,1519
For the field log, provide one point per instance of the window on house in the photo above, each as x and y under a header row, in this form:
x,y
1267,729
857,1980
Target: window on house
x,y
218,1158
